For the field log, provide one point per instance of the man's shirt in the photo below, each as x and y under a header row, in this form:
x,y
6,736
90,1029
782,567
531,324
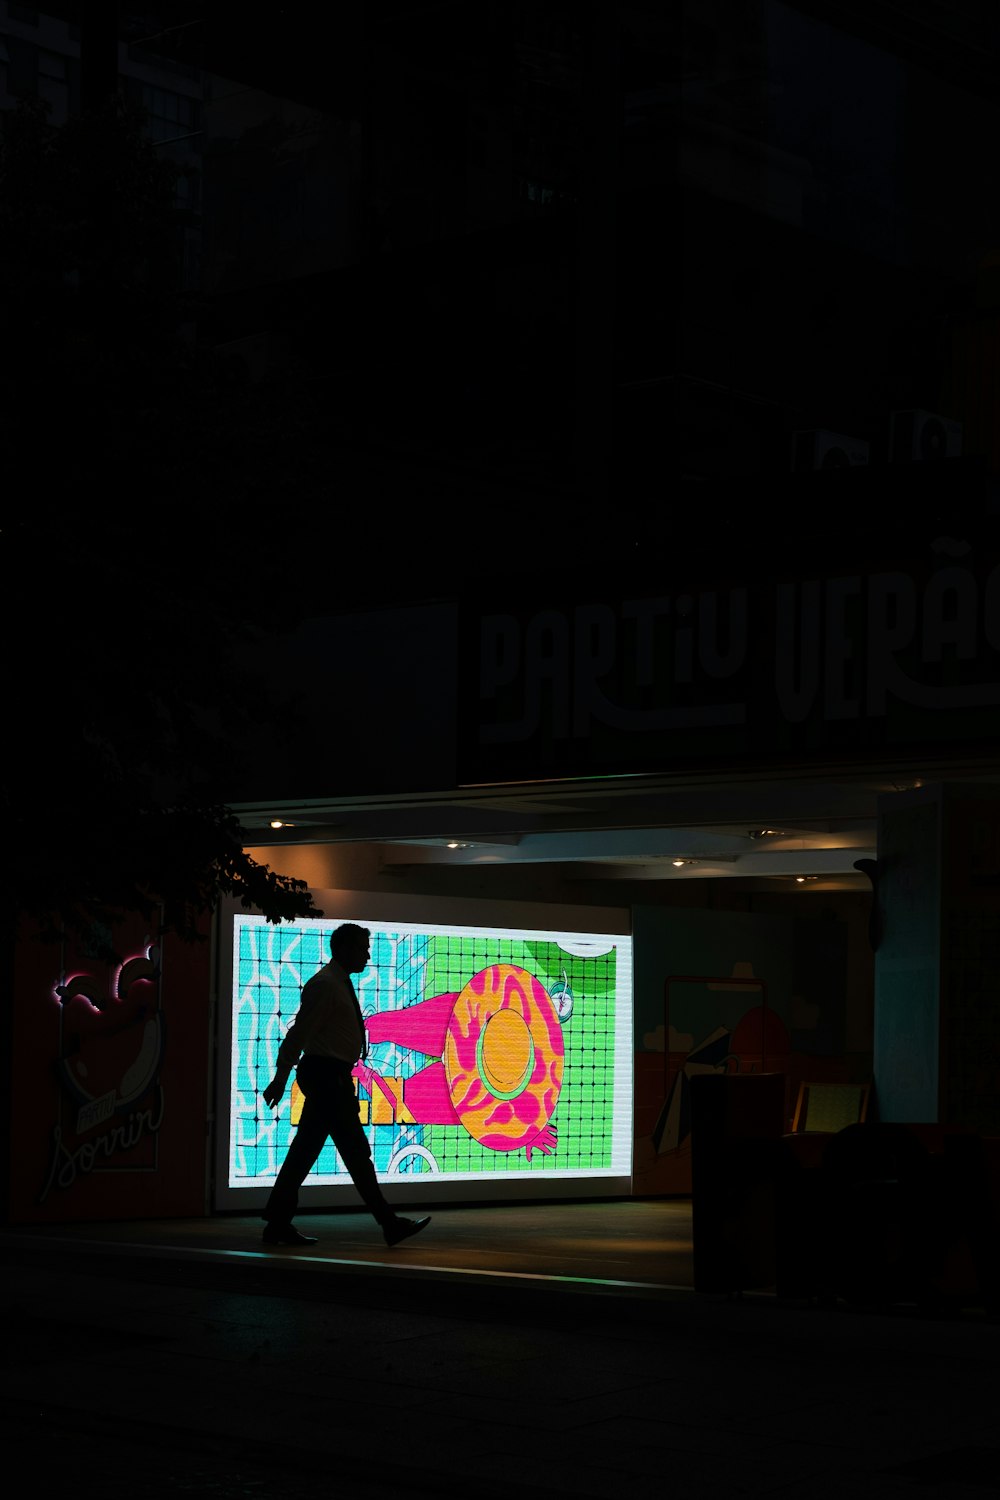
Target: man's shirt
x,y
326,1024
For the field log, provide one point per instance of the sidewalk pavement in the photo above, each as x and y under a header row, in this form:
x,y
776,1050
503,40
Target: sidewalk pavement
x,y
162,1359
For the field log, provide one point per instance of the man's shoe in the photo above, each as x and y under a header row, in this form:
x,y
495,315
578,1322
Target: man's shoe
x,y
401,1229
285,1234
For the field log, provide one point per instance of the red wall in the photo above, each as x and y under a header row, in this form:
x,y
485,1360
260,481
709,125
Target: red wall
x,y
109,1080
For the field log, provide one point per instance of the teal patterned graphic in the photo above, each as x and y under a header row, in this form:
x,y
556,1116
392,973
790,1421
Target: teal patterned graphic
x,y
491,1052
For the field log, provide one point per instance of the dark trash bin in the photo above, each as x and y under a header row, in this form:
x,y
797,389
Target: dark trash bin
x,y
882,1241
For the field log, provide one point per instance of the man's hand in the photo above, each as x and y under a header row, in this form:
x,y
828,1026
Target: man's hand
x,y
272,1094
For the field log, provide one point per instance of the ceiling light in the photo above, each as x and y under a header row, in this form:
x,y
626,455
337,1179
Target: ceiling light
x,y
679,862
766,833
453,844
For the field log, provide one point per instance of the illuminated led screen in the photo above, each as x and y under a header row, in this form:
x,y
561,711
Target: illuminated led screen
x,y
493,1053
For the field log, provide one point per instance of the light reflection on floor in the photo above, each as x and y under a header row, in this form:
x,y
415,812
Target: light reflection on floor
x,y
643,1242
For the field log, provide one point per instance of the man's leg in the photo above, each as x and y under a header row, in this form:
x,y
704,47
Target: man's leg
x,y
343,1125
348,1135
307,1143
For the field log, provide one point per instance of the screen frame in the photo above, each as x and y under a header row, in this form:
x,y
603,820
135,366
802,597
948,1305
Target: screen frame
x,y
379,911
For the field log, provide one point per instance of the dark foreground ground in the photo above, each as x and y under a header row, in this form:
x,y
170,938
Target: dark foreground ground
x,y
553,1350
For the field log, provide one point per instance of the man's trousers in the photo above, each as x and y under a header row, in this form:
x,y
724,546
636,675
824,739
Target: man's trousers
x,y
330,1109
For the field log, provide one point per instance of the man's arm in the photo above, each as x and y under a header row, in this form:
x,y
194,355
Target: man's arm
x,y
288,1055
271,1095
293,1044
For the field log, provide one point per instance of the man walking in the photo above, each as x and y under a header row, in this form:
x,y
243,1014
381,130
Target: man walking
x,y
325,1040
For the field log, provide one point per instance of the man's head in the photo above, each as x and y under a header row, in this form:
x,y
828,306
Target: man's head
x,y
350,945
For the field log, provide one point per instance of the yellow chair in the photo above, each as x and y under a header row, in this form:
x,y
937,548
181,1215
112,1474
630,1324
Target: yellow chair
x,y
829,1107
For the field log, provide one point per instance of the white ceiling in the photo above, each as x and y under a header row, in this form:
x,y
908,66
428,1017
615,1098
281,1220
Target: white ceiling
x,y
631,828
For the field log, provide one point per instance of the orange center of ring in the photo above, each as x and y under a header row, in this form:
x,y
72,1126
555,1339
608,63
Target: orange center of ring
x,y
505,1054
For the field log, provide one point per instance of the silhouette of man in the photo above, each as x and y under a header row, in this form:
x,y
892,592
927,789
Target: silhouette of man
x,y
325,1040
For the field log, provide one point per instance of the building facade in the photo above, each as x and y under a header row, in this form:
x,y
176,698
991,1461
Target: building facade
x,y
633,377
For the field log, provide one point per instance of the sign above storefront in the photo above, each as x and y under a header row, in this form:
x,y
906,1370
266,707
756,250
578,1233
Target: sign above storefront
x,y
729,673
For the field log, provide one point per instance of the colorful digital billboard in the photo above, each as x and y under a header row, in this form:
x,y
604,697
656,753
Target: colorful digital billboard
x,y
492,1053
